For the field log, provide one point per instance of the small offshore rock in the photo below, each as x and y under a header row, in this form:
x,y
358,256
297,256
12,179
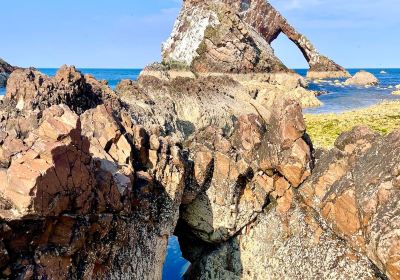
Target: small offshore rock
x,y
362,78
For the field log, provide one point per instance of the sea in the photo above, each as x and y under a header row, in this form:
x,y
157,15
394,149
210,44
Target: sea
x,y
336,99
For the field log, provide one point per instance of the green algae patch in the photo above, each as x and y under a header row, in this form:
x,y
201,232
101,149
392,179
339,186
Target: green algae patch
x,y
325,128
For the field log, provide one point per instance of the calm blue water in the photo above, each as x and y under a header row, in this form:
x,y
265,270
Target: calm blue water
x,y
175,265
113,76
336,99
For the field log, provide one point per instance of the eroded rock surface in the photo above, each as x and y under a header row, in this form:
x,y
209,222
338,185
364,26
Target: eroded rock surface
x,y
209,145
234,36
235,175
295,245
354,187
84,196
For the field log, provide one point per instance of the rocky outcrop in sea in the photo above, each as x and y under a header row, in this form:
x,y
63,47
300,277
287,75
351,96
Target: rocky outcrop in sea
x,y
5,71
235,36
209,145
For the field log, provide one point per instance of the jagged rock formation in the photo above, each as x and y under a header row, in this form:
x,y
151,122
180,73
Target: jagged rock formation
x,y
30,90
5,71
77,167
68,181
355,189
235,175
234,36
207,146
76,164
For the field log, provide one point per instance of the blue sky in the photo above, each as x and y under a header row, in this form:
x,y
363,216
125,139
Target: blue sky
x,y
128,34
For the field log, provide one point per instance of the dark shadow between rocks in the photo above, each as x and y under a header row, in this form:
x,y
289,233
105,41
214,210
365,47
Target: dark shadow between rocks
x,y
84,225
221,260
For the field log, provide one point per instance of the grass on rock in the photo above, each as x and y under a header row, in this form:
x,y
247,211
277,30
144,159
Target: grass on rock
x,y
325,128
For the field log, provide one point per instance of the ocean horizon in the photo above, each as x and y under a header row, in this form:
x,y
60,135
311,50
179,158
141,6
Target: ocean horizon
x,y
335,99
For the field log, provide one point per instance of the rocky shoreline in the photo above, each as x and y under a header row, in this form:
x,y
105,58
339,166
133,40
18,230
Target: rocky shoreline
x,y
5,71
210,145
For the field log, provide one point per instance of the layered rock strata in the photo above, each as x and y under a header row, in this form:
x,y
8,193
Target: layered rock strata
x,y
234,36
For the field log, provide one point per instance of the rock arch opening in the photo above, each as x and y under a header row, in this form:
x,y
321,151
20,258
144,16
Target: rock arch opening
x,y
289,53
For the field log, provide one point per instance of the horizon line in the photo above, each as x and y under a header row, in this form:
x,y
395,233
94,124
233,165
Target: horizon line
x,y
141,68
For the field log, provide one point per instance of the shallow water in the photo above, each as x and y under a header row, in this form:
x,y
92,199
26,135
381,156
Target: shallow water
x,y
175,265
339,99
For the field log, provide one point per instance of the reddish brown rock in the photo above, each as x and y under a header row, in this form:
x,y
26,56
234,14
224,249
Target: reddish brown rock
x,y
258,163
29,89
69,181
354,188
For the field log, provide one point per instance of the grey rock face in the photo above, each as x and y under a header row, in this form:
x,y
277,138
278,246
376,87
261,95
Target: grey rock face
x,y
3,79
274,246
5,71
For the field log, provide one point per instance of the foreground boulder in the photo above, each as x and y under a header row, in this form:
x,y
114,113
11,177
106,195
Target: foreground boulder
x,y
5,71
355,189
242,215
69,181
294,245
362,78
